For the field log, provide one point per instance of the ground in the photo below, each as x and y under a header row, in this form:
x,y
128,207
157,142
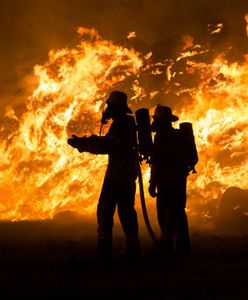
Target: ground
x,y
41,260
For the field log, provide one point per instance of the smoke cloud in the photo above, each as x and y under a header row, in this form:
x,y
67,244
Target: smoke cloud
x,y
30,28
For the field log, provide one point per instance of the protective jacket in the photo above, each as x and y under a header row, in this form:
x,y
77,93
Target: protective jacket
x,y
120,145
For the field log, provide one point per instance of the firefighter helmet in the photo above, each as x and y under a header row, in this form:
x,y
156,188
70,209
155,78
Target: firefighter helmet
x,y
164,112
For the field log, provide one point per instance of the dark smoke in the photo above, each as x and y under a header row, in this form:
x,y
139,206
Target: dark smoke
x,y
30,28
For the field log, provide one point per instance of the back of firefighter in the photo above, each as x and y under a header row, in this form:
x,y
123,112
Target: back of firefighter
x,y
119,184
168,182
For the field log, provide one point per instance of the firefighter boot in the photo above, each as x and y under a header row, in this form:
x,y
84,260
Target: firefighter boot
x,y
165,244
132,251
182,244
104,250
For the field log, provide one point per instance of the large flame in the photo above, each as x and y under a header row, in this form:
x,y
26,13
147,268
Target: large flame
x,y
41,175
219,112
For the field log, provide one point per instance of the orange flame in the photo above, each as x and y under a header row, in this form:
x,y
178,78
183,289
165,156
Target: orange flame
x,y
246,19
215,28
41,175
219,113
131,35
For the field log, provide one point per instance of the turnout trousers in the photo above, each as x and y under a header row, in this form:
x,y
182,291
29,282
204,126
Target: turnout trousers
x,y
172,218
120,194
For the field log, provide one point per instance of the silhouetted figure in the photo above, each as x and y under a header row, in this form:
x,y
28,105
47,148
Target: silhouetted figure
x,y
119,183
171,163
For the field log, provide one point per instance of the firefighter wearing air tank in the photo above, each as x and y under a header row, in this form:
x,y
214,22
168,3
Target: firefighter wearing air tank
x,y
174,157
119,183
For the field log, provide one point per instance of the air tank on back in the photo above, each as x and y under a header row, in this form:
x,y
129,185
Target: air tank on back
x,y
191,156
144,133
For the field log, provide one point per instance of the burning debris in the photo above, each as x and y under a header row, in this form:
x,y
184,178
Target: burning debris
x,y
233,210
246,19
213,29
131,35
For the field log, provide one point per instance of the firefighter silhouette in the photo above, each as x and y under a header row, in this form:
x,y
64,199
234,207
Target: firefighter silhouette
x,y
174,156
119,184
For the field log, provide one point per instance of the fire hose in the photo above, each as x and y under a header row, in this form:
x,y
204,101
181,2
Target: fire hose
x,y
143,203
144,149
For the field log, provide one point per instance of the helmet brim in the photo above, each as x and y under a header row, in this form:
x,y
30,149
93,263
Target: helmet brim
x,y
171,118
122,107
174,118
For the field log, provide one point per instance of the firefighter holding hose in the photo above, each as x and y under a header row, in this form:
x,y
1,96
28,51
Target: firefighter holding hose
x,y
174,157
119,184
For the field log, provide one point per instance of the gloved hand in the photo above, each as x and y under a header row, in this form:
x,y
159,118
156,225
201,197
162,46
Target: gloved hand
x,y
152,190
78,142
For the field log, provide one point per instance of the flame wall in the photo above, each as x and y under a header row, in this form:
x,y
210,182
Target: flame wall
x,y
41,175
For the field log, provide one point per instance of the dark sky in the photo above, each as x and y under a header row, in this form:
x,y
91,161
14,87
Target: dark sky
x,y
30,28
